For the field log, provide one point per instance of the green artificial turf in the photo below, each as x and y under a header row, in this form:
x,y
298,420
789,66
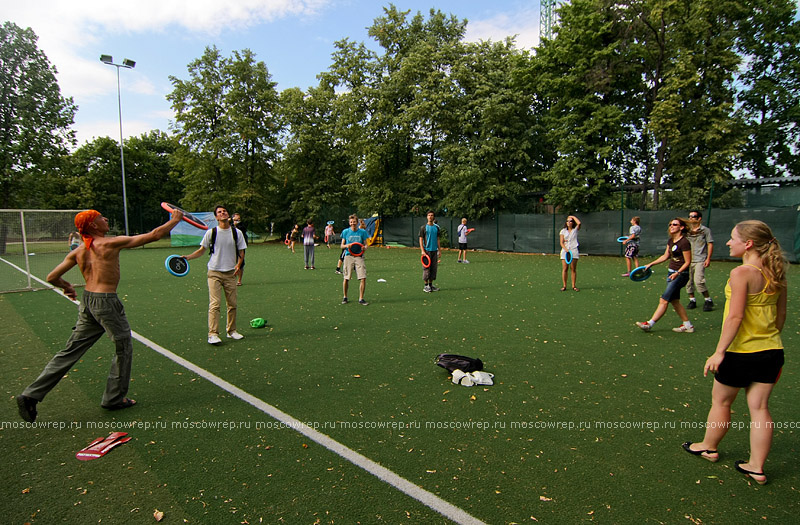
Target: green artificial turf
x,y
584,422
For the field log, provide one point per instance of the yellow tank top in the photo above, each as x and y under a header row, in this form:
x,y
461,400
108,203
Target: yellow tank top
x,y
757,331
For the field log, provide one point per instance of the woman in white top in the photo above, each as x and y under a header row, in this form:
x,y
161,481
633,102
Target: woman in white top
x,y
569,243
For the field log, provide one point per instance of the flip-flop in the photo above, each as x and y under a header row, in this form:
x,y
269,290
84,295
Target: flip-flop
x,y
126,403
101,446
702,453
750,473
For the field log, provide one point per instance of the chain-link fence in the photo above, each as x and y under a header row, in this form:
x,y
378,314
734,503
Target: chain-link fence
x,y
33,242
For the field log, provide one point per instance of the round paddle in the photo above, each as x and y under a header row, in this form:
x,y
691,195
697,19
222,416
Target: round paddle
x,y
568,257
177,265
331,222
622,239
425,260
641,273
188,217
470,230
356,249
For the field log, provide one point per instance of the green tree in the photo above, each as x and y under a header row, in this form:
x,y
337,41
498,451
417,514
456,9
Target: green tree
x,y
227,126
769,88
150,178
315,161
93,181
253,112
588,90
695,107
641,92
203,131
489,155
35,118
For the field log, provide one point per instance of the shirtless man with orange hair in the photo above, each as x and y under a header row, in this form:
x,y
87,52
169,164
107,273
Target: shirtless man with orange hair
x,y
100,310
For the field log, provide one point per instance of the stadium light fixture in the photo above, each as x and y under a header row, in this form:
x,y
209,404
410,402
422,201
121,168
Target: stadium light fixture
x,y
127,64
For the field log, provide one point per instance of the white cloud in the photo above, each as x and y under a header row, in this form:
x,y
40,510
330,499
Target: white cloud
x,y
523,24
209,16
92,129
67,29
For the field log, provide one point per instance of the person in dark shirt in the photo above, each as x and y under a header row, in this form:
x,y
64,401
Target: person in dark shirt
x,y
679,254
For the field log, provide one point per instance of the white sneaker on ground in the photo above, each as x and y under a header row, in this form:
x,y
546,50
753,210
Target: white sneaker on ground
x,y
644,326
235,335
684,329
465,261
214,340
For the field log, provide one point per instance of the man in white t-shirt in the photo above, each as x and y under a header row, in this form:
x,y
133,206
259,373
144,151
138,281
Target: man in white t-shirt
x,y
227,246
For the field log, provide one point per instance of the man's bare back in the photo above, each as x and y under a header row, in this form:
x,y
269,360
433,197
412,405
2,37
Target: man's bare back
x,y
99,263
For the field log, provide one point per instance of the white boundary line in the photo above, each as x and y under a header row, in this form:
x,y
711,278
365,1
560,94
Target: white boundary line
x,y
428,499
403,485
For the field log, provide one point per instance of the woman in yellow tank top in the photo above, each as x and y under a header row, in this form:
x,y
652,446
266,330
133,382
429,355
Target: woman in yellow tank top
x,y
749,353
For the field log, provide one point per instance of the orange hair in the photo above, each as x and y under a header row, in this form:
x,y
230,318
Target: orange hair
x,y
82,222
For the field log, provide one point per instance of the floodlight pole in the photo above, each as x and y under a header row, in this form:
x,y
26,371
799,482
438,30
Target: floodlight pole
x,y
127,64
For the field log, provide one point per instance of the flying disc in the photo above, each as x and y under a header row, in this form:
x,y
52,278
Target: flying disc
x,y
356,249
470,230
568,256
641,273
331,222
622,239
425,260
188,217
177,265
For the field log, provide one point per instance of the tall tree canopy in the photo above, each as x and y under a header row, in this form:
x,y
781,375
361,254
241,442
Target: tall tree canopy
x,y
227,125
35,118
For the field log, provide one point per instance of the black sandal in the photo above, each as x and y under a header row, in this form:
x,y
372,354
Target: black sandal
x,y
750,473
702,453
563,288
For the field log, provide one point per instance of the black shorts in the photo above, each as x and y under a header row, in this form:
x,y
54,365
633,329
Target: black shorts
x,y
462,246
739,370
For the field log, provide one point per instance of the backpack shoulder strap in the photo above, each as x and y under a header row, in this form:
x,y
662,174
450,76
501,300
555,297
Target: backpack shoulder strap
x,y
213,240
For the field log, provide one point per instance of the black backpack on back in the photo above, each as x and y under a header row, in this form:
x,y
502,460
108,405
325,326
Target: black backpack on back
x,y
214,239
452,362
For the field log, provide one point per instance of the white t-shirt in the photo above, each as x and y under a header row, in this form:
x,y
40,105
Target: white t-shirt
x,y
225,254
570,238
462,233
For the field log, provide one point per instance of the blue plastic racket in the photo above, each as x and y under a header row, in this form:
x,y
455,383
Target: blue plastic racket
x,y
177,265
641,273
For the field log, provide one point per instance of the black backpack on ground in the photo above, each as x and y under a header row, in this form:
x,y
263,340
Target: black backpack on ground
x,y
452,362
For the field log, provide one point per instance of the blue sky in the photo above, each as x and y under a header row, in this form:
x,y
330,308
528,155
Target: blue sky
x,y
294,38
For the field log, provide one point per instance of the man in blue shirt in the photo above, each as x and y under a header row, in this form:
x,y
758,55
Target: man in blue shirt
x,y
430,245
352,235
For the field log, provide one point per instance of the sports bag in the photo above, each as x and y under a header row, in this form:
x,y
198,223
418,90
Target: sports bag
x,y
452,362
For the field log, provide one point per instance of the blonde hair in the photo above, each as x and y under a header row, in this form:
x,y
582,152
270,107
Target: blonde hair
x,y
768,249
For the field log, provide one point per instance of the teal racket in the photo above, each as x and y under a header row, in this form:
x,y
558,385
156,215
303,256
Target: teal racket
x,y
641,273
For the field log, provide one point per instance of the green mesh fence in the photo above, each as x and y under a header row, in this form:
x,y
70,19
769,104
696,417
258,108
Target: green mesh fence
x,y
599,230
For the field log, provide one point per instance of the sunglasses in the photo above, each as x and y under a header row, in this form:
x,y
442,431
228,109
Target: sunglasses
x,y
674,224
694,216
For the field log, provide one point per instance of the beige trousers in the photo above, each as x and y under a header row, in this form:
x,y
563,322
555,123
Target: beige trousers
x,y
219,282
